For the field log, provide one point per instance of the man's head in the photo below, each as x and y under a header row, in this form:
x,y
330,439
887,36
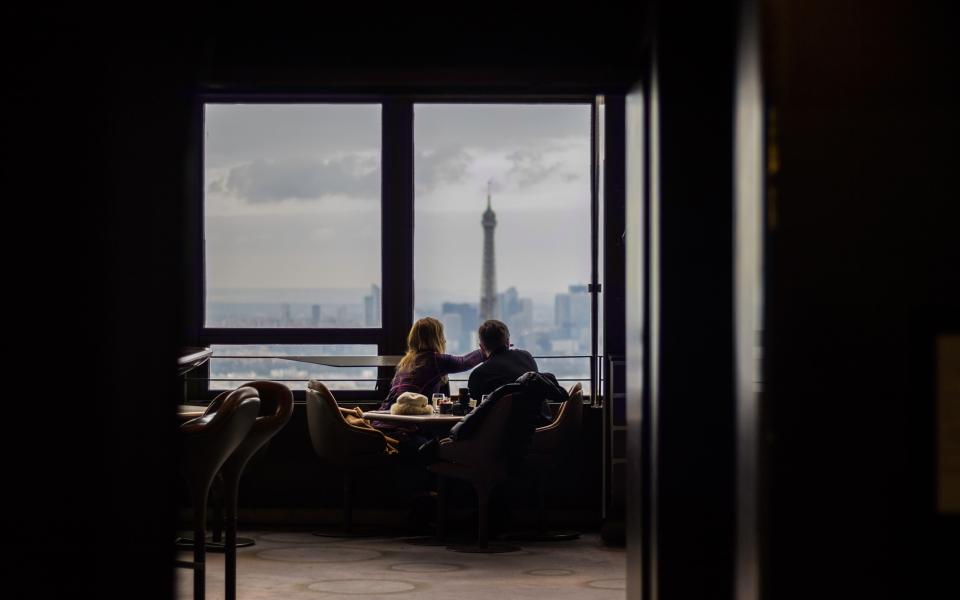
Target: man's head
x,y
494,336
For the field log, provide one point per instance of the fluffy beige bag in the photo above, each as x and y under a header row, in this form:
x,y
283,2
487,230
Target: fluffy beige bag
x,y
410,403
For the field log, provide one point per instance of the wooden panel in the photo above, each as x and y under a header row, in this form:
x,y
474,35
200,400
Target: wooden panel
x,y
948,424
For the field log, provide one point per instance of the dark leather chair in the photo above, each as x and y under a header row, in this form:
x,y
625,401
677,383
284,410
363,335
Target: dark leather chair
x,y
343,446
481,461
207,442
276,408
553,447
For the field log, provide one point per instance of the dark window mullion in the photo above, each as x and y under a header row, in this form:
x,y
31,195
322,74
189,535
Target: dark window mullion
x,y
195,228
397,225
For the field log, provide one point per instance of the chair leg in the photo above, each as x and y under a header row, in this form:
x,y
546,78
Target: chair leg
x,y
441,507
217,504
483,525
541,527
484,490
231,486
199,540
347,500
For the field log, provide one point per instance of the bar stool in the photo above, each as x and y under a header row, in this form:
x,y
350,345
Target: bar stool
x,y
276,408
206,444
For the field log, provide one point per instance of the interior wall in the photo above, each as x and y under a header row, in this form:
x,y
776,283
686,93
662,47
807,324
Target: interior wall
x,y
99,126
861,273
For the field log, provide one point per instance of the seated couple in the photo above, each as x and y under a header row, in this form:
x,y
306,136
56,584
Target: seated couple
x,y
425,366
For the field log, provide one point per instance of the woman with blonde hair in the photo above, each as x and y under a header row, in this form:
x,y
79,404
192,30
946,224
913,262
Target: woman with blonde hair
x,y
425,366
423,370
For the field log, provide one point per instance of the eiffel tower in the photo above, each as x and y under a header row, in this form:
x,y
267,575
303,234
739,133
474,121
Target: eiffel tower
x,y
488,288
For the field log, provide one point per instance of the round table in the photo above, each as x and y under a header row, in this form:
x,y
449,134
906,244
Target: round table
x,y
437,423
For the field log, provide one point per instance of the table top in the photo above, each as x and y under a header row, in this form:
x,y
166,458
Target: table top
x,y
348,361
385,415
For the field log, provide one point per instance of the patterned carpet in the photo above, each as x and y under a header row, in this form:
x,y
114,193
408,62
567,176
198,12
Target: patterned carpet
x,y
298,565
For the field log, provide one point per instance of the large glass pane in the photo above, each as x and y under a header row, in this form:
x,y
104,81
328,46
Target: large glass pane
x,y
503,225
233,365
292,215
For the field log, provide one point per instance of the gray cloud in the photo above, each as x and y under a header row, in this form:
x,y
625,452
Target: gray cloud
x,y
263,181
447,164
529,168
216,186
242,133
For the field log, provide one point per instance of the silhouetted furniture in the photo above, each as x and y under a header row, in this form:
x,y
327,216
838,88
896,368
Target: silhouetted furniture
x,y
276,408
207,442
191,358
343,446
481,461
553,447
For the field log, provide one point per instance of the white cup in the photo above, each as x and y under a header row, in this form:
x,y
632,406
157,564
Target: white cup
x,y
435,402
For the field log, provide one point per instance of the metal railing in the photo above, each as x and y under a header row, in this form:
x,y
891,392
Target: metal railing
x,y
594,396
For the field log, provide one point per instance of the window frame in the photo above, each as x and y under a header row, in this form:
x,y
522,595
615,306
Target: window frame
x,y
397,153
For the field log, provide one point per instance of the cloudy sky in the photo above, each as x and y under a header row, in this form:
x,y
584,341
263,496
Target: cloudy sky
x,y
293,192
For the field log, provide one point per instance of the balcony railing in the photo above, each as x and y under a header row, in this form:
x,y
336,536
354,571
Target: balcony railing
x,y
372,383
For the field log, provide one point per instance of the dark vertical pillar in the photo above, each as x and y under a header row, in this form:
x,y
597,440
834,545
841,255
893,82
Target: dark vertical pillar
x,y
617,468
614,229
862,270
692,279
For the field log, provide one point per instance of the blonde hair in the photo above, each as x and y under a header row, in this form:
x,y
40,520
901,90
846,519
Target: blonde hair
x,y
426,335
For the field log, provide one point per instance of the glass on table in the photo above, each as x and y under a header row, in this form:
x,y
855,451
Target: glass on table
x,y
435,401
473,401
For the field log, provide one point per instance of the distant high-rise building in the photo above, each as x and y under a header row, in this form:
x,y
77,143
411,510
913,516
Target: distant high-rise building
x,y
572,312
371,307
488,288
454,332
285,316
460,322
315,314
515,311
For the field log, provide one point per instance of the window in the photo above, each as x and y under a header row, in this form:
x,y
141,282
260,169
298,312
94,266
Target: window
x,y
292,215
502,218
327,227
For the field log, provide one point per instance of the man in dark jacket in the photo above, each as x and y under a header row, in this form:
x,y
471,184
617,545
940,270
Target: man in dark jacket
x,y
531,392
502,364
